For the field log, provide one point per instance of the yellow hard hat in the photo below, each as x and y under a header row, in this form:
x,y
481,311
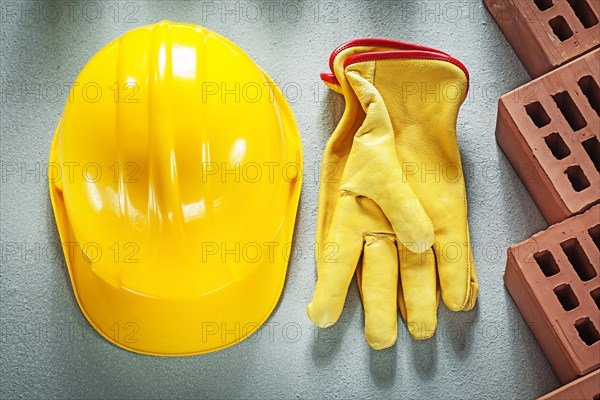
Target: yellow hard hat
x,y
177,175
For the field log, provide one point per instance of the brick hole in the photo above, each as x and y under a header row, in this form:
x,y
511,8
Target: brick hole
x,y
537,114
577,178
596,296
596,397
569,110
584,12
578,259
594,233
592,148
557,146
587,331
566,297
543,5
561,29
546,262
590,89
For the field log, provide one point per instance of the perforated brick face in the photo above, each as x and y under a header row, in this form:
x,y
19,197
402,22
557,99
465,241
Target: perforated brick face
x,y
554,279
549,129
585,388
547,33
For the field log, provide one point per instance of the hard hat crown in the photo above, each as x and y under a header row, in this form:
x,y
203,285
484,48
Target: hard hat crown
x,y
192,147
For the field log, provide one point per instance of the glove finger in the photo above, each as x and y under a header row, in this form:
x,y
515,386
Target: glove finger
x,y
378,280
472,299
336,265
418,278
401,304
456,269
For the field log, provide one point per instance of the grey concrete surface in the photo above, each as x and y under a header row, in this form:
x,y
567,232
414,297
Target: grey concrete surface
x,y
48,349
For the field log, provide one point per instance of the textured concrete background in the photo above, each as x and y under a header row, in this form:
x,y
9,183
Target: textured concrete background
x,y
49,350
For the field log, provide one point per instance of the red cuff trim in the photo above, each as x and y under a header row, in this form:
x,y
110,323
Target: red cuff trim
x,y
329,78
392,44
418,55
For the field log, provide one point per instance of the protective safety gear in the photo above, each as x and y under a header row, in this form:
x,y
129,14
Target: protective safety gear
x,y
404,97
177,231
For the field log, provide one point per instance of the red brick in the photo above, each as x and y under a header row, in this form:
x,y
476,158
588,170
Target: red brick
x,y
585,388
548,33
549,129
554,279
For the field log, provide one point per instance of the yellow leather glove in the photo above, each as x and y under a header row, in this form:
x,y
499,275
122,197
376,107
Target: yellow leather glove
x,y
424,138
